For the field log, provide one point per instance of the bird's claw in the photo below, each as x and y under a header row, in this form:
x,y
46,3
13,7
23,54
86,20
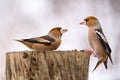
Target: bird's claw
x,y
89,51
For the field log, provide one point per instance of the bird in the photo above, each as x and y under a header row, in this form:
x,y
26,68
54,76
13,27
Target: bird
x,y
97,41
51,41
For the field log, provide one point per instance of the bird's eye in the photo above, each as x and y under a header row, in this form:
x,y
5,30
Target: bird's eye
x,y
59,29
86,20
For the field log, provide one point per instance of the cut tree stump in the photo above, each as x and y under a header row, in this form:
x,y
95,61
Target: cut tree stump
x,y
47,65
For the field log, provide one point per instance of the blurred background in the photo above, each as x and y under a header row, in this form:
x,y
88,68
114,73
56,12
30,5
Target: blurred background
x,y
21,19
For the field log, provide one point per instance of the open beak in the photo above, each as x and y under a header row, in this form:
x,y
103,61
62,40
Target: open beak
x,y
83,23
64,30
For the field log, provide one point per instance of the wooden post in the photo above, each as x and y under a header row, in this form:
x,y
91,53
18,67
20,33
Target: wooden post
x,y
47,65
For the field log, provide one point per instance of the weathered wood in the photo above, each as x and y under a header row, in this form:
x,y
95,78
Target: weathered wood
x,y
47,65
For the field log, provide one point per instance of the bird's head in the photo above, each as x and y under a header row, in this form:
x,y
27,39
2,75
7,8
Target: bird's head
x,y
57,32
90,21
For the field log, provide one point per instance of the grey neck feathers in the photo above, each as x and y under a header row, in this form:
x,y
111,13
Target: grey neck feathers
x,y
51,35
97,25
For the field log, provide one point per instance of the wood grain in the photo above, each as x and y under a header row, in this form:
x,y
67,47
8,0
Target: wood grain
x,y
47,65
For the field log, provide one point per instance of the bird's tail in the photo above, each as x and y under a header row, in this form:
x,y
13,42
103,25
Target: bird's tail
x,y
98,63
105,63
110,58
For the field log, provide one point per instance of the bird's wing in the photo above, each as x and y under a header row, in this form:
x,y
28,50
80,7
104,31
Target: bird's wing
x,y
104,43
46,40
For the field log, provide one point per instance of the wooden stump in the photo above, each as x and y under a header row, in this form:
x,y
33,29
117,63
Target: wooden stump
x,y
47,65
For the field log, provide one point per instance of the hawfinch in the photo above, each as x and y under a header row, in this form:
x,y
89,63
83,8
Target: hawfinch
x,y
51,41
97,40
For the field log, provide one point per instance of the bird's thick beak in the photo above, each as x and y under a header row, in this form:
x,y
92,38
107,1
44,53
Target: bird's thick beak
x,y
64,30
83,23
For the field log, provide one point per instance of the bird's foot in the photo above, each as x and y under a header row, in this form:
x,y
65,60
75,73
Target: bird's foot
x,y
89,51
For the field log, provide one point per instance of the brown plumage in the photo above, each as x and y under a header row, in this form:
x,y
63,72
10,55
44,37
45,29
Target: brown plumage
x,y
51,41
97,40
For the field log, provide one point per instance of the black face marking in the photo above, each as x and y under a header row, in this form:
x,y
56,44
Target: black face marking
x,y
60,34
58,29
86,20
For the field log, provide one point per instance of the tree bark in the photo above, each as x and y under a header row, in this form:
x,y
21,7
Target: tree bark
x,y
47,65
